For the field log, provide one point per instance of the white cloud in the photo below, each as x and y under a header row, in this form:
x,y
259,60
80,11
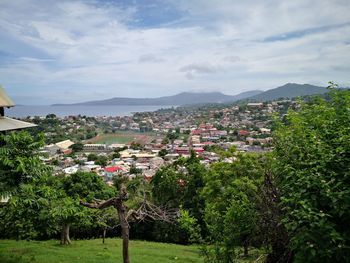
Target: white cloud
x,y
216,45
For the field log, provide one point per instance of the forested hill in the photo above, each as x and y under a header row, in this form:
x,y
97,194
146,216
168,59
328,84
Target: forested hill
x,y
184,98
289,90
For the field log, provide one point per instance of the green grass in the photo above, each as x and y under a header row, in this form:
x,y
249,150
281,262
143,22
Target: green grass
x,y
122,137
111,138
89,251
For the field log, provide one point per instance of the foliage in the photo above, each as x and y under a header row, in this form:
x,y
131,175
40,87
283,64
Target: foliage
x,y
28,213
115,155
39,209
19,160
179,185
86,186
230,152
134,170
171,136
190,225
231,193
77,147
313,153
66,210
98,159
162,152
136,146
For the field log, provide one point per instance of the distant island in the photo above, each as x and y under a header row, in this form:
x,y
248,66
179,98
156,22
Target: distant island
x,y
289,90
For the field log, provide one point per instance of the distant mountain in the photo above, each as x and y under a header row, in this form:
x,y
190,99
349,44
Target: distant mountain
x,y
289,90
184,98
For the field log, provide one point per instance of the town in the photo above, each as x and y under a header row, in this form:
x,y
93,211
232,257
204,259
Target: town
x,y
140,144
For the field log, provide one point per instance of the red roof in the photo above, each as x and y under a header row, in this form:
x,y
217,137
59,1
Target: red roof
x,y
112,169
208,143
243,132
196,132
198,149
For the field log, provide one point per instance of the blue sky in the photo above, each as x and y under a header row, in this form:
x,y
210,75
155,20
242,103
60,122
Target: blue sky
x,y
70,51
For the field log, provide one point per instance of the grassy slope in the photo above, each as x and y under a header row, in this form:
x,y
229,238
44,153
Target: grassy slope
x,y
89,251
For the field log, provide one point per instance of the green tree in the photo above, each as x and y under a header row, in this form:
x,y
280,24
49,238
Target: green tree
x,y
231,193
136,146
66,211
77,187
77,147
92,157
27,215
115,155
179,185
19,160
312,148
134,170
162,152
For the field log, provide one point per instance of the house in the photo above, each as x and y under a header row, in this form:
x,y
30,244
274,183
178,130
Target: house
x,y
71,169
51,149
265,131
94,147
198,149
243,133
64,146
111,171
255,105
91,168
171,156
182,150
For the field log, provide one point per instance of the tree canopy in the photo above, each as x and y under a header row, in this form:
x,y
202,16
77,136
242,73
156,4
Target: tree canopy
x,y
312,149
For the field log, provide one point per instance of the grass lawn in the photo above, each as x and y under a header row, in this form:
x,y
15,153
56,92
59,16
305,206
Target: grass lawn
x,y
122,137
12,251
113,138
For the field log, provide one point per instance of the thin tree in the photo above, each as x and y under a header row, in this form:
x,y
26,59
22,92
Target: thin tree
x,y
146,210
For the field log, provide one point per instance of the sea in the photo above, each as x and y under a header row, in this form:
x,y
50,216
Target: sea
x,y
22,111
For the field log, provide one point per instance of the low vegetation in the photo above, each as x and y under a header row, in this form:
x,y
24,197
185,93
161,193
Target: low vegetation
x,y
91,251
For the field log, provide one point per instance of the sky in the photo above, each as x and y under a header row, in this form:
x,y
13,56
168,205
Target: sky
x,y
72,51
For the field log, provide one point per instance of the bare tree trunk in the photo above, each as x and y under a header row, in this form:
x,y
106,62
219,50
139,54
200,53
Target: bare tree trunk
x,y
125,232
65,240
104,234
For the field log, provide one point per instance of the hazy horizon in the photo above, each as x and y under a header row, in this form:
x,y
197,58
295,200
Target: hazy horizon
x,y
74,51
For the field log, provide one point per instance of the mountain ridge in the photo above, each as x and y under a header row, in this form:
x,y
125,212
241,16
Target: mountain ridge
x,y
180,99
289,90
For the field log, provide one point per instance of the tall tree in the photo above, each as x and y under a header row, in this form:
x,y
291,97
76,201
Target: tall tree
x,y
231,193
180,185
312,148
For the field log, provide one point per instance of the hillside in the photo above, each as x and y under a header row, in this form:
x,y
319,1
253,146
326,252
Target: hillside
x,y
289,90
184,98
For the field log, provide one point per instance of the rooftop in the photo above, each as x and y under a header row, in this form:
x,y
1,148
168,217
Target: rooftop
x,y
8,124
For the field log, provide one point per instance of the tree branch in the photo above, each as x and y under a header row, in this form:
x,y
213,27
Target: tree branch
x,y
115,202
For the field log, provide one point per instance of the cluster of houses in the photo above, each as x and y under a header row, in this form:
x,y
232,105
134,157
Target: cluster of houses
x,y
130,163
247,128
